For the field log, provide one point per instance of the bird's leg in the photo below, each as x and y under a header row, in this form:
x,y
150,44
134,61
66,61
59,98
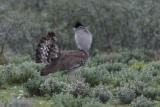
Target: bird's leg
x,y
70,74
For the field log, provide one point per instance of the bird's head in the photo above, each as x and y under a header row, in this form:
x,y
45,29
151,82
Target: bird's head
x,y
79,27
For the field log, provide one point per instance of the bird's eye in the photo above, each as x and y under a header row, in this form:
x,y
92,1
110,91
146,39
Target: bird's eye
x,y
80,27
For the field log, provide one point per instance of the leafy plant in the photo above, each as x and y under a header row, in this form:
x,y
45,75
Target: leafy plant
x,y
155,64
17,74
2,79
65,100
143,102
150,93
32,86
138,66
125,95
78,88
101,92
52,86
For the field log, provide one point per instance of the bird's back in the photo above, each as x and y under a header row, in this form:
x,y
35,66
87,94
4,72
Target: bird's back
x,y
67,60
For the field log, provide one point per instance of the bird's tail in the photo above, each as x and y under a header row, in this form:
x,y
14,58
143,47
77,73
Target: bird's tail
x,y
47,49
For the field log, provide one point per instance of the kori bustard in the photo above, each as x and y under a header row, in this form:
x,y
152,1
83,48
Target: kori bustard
x,y
48,52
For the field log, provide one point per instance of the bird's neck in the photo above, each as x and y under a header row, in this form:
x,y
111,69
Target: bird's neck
x,y
83,40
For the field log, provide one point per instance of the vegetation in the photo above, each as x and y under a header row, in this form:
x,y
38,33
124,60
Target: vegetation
x,y
109,83
123,68
114,24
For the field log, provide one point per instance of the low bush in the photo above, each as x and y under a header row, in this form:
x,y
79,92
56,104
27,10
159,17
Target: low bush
x,y
98,59
123,76
94,104
32,86
2,79
137,86
77,88
92,75
3,60
143,102
68,100
101,93
113,66
150,93
99,74
65,100
153,72
17,74
146,77
125,95
18,59
155,64
52,86
138,66
128,57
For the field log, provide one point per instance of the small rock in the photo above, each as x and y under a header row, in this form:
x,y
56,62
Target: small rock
x,y
21,91
19,97
41,102
15,87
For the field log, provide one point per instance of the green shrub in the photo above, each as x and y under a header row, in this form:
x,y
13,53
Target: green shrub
x,y
123,76
128,57
2,79
113,57
78,88
113,66
153,72
96,75
143,102
65,100
150,93
92,75
125,95
137,86
94,104
98,59
138,66
101,92
146,77
88,101
18,59
17,74
32,86
68,100
3,60
157,80
155,64
52,86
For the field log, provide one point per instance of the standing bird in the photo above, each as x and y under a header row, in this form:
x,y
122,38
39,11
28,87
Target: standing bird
x,y
48,52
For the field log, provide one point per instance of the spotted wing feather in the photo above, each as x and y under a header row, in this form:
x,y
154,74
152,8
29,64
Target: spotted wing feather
x,y
47,50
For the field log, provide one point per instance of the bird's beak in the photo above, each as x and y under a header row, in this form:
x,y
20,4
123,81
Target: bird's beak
x,y
87,27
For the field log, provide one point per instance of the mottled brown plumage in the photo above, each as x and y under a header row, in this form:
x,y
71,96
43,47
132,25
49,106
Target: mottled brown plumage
x,y
67,60
47,50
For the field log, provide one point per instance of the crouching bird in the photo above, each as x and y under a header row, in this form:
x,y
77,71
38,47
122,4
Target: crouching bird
x,y
48,52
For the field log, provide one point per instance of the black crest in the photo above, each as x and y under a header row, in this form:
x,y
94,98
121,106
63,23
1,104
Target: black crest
x,y
77,24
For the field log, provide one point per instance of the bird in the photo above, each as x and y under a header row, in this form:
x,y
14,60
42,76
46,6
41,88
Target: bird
x,y
48,52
